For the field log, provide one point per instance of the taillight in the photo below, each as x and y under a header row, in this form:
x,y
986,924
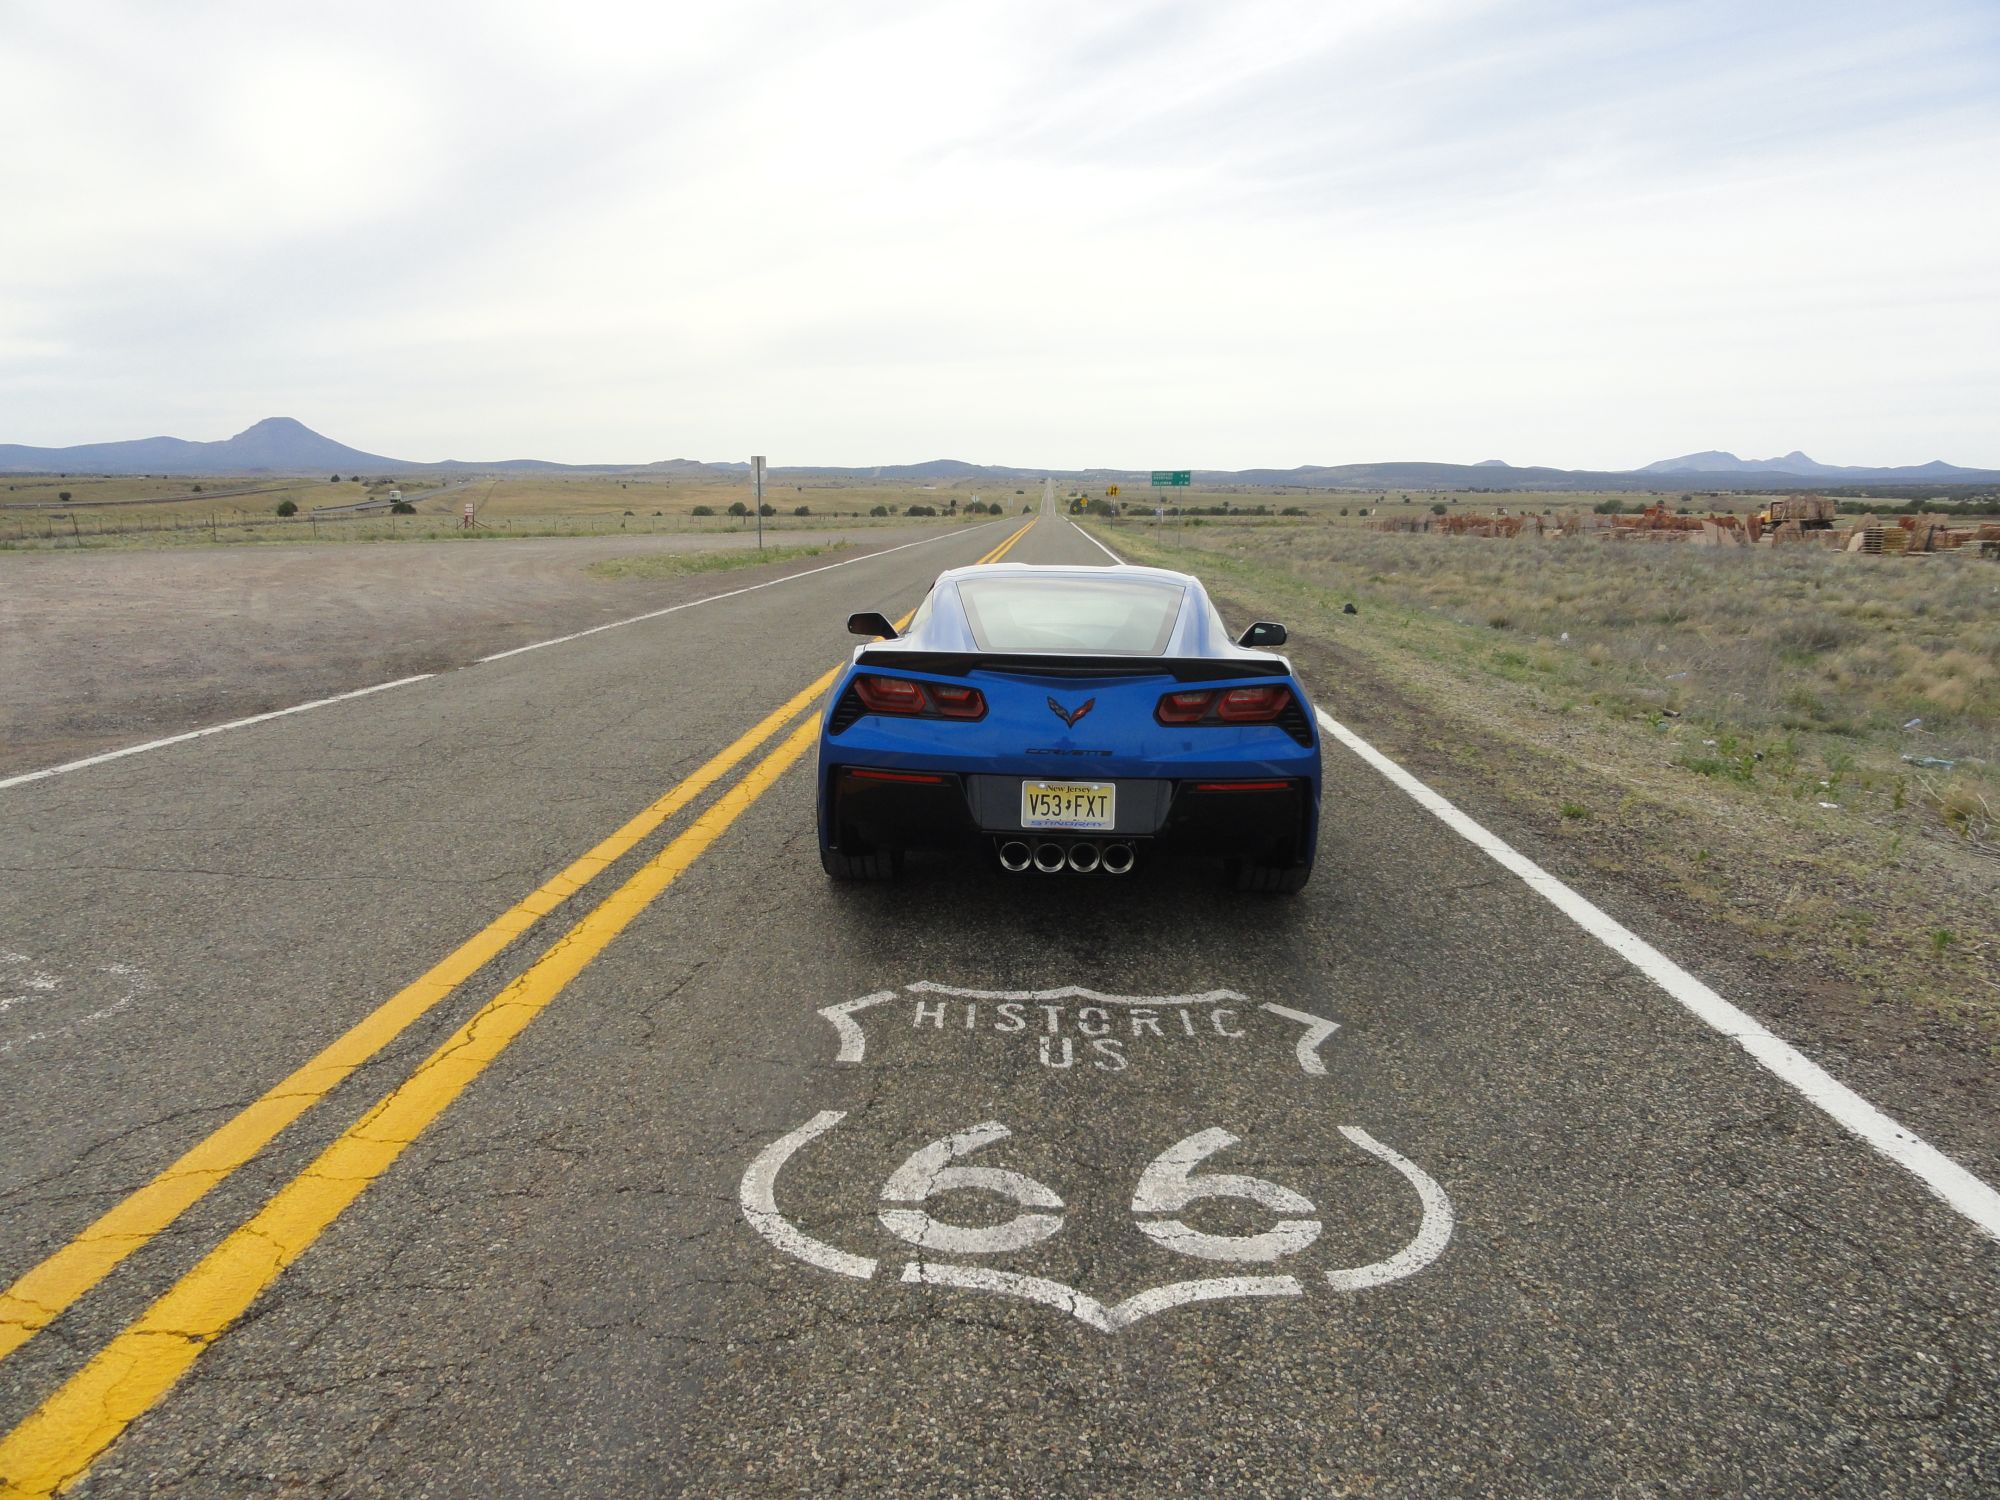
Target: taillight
x,y
1184,708
905,696
1252,705
1238,705
890,695
958,702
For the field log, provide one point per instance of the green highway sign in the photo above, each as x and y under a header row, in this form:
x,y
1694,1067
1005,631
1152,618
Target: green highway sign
x,y
1175,478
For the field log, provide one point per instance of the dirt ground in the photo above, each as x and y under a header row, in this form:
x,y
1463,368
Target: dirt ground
x,y
103,648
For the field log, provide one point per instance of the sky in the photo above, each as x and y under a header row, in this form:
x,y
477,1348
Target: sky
x,y
1238,234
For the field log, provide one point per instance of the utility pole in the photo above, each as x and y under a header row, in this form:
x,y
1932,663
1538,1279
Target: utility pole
x,y
757,480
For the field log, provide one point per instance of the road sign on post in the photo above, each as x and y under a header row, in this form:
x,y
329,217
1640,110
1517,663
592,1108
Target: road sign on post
x,y
1178,479
757,484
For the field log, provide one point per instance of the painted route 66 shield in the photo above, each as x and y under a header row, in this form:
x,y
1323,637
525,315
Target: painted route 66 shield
x,y
1109,1157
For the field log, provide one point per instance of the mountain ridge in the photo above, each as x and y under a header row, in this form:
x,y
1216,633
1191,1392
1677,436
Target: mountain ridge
x,y
285,445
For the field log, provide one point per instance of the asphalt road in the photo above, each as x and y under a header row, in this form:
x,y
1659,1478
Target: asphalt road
x,y
1407,1186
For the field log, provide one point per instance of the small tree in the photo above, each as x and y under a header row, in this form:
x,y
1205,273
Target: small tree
x,y
1609,507
767,510
288,507
64,496
334,480
197,490
879,510
699,510
738,508
402,508
1437,509
802,510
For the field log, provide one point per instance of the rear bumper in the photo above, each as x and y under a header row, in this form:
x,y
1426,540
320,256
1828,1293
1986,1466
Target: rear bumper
x,y
1271,819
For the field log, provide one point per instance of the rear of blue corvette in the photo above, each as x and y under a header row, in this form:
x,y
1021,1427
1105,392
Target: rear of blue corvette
x,y
1080,720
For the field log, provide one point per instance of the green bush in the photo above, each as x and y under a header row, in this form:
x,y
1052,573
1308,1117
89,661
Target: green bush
x,y
702,510
1610,507
402,508
921,510
880,510
738,508
288,507
802,510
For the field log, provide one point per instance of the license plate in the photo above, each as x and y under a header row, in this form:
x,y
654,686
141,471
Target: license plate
x,y
1069,804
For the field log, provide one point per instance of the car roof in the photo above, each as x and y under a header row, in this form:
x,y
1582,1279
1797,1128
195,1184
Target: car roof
x,y
1069,570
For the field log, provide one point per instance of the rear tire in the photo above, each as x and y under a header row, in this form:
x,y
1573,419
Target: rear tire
x,y
1276,880
879,864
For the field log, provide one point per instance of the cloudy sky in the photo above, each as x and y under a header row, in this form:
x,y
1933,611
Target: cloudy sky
x,y
1221,234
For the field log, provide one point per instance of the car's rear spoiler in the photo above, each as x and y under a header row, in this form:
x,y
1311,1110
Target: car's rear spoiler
x,y
1034,664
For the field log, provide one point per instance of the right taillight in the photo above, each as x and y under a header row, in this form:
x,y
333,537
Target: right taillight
x,y
1238,705
1252,705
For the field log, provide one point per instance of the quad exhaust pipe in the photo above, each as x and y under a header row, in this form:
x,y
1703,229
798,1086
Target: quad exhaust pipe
x,y
1084,856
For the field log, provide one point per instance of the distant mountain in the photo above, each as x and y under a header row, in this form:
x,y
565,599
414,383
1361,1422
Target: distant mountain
x,y
1798,465
280,445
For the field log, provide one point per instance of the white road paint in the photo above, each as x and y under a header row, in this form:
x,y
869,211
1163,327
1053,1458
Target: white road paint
x,y
853,1040
196,734
1318,1030
1087,1309
1166,1187
1096,543
1975,1199
1433,1234
1073,992
928,1171
771,583
34,992
382,687
758,1194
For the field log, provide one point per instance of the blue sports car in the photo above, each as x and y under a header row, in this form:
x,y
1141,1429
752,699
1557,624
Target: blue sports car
x,y
1074,719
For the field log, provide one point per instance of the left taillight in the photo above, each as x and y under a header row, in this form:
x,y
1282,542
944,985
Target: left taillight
x,y
912,699
890,695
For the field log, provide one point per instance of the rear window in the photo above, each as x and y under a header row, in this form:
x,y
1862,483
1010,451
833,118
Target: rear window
x,y
1112,616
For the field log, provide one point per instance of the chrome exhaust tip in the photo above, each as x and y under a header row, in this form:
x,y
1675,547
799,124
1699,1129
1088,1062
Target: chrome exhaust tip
x,y
1049,858
1118,859
1015,856
1083,858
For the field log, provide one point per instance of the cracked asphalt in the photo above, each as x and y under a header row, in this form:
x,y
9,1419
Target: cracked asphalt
x,y
1659,1270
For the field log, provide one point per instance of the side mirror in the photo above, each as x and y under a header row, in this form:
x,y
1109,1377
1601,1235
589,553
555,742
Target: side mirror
x,y
1263,633
871,623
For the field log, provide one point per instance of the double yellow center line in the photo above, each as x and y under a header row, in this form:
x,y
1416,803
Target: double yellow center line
x,y
61,1438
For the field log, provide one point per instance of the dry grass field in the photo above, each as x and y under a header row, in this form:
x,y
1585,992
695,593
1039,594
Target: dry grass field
x,y
1803,744
216,510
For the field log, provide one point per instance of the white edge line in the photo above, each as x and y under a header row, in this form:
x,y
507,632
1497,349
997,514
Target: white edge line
x,y
382,687
1967,1194
769,583
1096,543
195,734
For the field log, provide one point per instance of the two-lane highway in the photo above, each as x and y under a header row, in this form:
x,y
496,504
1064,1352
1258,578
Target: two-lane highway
x,y
478,1088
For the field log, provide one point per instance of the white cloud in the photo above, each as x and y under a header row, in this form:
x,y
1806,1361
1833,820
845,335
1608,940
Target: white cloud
x,y
1218,234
